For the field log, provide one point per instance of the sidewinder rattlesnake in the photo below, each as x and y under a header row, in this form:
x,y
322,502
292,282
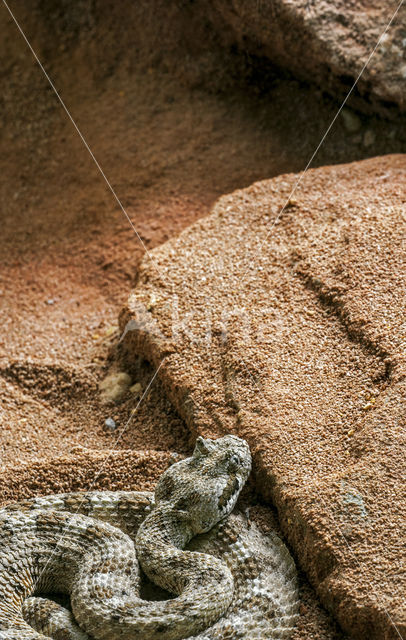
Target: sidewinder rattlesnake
x,y
232,582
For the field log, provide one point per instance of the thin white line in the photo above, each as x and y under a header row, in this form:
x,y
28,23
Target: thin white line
x,y
83,139
67,527
328,130
134,411
337,527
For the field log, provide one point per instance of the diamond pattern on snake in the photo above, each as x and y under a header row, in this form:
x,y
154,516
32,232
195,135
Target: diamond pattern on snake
x,y
228,580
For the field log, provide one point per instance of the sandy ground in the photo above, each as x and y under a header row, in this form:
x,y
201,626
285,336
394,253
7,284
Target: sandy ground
x,y
170,142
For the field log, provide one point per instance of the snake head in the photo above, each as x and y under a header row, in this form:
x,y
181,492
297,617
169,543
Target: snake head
x,y
204,488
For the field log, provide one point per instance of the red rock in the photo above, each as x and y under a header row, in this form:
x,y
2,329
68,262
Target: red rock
x,y
280,317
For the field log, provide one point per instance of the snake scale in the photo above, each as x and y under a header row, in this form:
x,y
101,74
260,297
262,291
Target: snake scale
x,y
230,582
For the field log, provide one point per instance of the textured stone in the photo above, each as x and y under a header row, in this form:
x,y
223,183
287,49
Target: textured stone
x,y
328,42
280,317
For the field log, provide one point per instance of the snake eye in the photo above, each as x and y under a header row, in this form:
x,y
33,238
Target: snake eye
x,y
234,462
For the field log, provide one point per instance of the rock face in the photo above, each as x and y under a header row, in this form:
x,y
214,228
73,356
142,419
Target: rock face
x,y
280,318
328,41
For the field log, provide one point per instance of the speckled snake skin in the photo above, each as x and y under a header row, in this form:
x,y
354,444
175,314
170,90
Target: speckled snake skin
x,y
231,582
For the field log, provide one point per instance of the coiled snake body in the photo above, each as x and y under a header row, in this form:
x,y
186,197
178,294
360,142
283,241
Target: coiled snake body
x,y
235,583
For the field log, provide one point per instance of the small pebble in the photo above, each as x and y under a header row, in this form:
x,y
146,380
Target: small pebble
x,y
51,301
110,424
136,388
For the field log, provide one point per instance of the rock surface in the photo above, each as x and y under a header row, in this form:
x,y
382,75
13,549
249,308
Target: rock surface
x,y
328,42
280,317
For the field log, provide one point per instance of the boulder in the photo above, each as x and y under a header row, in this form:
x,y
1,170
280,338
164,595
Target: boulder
x,y
327,42
280,318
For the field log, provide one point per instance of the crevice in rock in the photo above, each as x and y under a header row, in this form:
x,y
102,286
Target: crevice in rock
x,y
331,298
